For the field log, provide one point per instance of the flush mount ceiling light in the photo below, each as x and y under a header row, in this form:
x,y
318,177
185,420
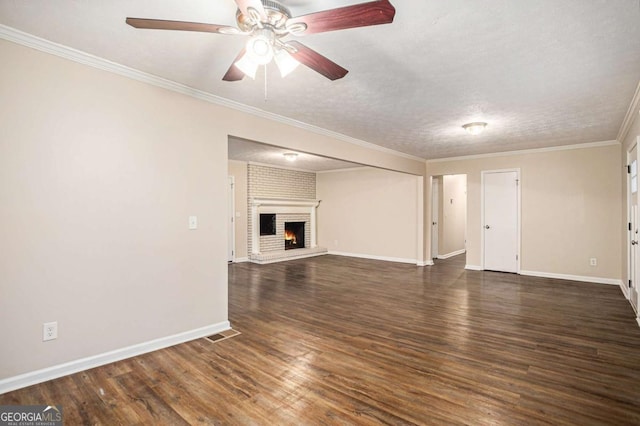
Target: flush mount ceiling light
x,y
290,156
475,128
268,23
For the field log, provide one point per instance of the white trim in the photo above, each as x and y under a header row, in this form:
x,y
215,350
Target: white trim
x,y
625,290
60,370
232,206
453,253
374,257
473,267
526,151
425,263
629,117
434,215
293,202
519,219
420,255
583,278
241,260
29,40
638,320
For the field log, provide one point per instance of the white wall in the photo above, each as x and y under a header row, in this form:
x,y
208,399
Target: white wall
x,y
98,175
570,208
368,212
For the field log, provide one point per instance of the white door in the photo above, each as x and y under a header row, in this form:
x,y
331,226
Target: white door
x,y
633,227
435,188
501,220
231,235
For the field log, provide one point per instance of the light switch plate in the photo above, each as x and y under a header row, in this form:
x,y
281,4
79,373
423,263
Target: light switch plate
x,y
193,222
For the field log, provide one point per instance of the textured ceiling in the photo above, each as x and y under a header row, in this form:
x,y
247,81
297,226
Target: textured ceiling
x,y
541,73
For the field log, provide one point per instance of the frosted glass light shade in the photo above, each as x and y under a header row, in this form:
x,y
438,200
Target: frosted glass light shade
x,y
285,62
247,66
475,128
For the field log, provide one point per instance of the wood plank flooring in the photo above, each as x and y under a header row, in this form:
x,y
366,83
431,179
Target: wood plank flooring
x,y
336,340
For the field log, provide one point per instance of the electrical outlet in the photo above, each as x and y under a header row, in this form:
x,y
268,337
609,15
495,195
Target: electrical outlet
x,y
49,331
593,261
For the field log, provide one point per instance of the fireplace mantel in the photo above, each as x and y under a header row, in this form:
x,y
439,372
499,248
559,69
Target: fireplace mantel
x,y
281,205
293,202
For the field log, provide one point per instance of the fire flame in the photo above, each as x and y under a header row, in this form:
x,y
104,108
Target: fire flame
x,y
290,236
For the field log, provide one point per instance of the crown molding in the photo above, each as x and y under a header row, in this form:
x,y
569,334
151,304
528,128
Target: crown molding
x,y
43,45
634,108
527,151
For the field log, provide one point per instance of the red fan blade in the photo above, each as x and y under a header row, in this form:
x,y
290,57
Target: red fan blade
x,y
358,15
316,61
244,5
234,73
159,24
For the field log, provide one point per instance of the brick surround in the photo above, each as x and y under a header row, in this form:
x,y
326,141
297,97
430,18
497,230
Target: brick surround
x,y
271,182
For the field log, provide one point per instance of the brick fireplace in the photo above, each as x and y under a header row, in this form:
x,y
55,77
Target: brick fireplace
x,y
274,247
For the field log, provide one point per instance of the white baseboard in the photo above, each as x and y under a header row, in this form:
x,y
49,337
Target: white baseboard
x,y
453,253
625,290
60,370
241,260
596,280
638,320
373,257
473,267
425,263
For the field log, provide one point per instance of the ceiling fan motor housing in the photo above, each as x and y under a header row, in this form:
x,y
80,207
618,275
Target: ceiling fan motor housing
x,y
277,16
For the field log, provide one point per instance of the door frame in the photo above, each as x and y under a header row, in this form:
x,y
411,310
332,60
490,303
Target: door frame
x,y
231,218
435,217
626,288
519,214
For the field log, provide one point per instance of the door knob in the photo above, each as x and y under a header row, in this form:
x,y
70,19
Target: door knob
x,y
487,227
434,223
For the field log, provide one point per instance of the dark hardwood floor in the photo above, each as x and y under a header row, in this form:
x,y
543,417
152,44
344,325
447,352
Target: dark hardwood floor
x,y
336,340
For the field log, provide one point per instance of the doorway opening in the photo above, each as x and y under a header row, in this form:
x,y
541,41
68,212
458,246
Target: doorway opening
x,y
448,216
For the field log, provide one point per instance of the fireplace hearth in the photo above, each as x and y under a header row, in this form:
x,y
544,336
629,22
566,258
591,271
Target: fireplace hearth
x,y
293,235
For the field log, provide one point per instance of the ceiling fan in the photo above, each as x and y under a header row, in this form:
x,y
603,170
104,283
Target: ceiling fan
x,y
268,23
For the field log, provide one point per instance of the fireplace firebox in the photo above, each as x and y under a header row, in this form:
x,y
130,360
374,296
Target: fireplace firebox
x,y
293,235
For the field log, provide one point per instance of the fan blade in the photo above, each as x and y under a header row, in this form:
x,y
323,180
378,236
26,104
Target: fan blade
x,y
234,73
160,24
316,61
358,15
244,5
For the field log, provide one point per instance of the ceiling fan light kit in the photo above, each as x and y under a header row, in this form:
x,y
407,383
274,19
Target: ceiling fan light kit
x,y
475,128
268,23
